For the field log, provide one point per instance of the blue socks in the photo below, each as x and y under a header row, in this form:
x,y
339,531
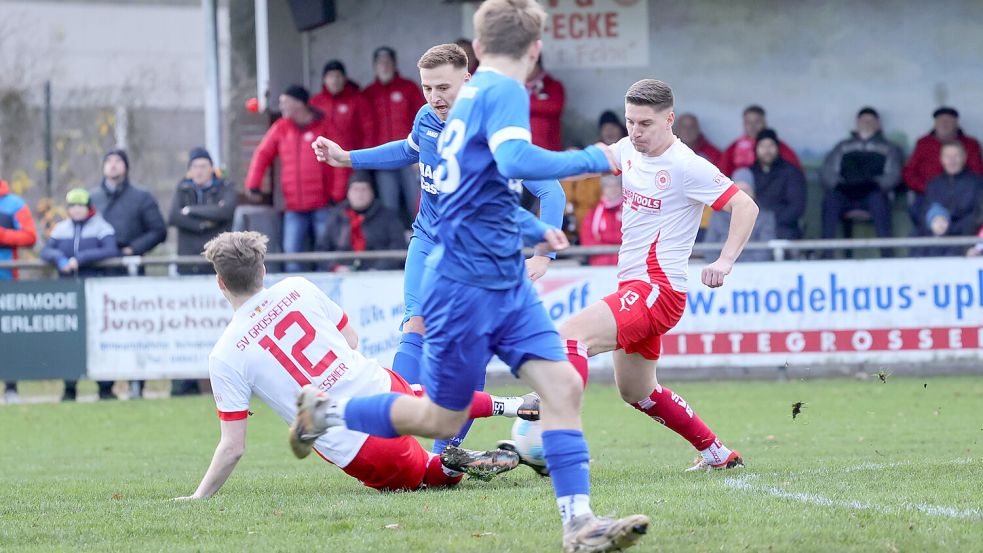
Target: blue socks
x,y
440,445
567,460
406,362
371,414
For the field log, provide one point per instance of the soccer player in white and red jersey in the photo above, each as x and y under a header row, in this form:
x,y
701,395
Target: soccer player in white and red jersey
x,y
292,335
665,187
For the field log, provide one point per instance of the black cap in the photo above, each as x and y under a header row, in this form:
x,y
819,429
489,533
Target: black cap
x,y
766,134
122,155
867,110
608,117
298,92
198,153
945,110
361,175
378,52
334,65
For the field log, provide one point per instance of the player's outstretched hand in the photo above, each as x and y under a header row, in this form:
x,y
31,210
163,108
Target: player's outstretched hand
x,y
536,266
328,151
714,273
612,161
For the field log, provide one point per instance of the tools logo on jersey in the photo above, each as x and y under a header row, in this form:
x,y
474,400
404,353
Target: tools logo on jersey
x,y
643,204
662,180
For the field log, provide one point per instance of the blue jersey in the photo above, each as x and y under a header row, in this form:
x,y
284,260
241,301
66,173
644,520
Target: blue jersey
x,y
423,137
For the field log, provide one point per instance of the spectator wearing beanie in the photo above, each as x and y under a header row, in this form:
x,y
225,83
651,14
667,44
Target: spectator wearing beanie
x,y
361,223
348,120
202,208
132,211
305,183
779,185
394,101
741,152
610,129
75,246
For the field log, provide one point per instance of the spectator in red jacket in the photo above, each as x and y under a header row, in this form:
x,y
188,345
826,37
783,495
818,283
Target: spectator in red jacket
x,y
348,121
602,225
610,129
688,130
395,101
741,152
924,164
16,231
546,100
304,181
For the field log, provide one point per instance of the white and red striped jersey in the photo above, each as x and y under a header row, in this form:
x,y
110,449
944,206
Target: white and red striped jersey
x,y
284,337
663,199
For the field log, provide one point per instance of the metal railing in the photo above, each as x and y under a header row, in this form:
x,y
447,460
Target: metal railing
x,y
779,248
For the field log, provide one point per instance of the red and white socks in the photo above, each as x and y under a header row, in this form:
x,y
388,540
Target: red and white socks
x,y
668,408
577,355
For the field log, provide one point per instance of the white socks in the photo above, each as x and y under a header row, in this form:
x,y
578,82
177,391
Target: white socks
x,y
573,506
716,454
506,406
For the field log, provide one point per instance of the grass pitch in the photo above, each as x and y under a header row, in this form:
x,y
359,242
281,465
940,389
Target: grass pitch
x,y
866,466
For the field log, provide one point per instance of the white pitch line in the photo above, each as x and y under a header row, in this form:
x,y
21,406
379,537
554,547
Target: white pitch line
x,y
743,484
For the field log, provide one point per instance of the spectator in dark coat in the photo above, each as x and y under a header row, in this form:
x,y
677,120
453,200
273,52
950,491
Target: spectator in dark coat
x,y
859,173
202,208
764,225
132,211
779,185
75,245
952,200
361,223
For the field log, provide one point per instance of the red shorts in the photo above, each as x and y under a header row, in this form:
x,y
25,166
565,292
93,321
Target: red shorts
x,y
391,463
644,313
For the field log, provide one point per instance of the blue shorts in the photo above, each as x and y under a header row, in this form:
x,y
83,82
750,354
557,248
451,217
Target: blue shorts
x,y
466,325
416,257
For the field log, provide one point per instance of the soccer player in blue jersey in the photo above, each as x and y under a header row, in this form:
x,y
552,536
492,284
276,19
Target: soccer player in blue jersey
x,y
443,70
477,300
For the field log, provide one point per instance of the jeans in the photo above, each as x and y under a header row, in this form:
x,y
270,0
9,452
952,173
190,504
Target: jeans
x,y
302,233
400,183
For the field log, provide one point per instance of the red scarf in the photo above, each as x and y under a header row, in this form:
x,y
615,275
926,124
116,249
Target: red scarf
x,y
358,237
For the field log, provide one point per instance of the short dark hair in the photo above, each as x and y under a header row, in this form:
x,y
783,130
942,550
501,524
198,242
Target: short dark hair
x,y
650,92
754,108
945,110
388,50
867,110
334,65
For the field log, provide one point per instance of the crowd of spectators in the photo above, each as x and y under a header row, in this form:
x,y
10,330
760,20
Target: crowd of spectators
x,y
337,210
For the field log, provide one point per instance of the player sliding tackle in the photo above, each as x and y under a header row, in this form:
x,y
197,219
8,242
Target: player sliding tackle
x,y
477,299
292,335
443,71
665,188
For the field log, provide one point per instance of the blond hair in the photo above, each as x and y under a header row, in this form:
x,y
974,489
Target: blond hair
x,y
443,54
238,258
650,92
508,27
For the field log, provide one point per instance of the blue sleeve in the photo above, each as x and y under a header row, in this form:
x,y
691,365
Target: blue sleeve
x,y
51,252
532,229
552,202
392,155
518,159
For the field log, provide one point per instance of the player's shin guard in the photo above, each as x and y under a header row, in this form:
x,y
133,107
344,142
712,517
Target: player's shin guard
x,y
668,408
568,462
436,476
440,445
406,362
372,414
577,355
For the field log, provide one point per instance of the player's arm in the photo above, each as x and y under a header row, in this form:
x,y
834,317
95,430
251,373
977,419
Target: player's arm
x,y
552,202
392,155
543,237
230,448
743,212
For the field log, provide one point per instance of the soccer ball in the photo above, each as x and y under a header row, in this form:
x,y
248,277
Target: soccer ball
x,y
528,438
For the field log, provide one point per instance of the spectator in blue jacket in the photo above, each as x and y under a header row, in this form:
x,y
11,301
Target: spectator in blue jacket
x,y
952,201
75,246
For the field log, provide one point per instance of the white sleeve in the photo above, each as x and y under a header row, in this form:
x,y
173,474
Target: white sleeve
x,y
334,311
230,389
705,184
618,149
